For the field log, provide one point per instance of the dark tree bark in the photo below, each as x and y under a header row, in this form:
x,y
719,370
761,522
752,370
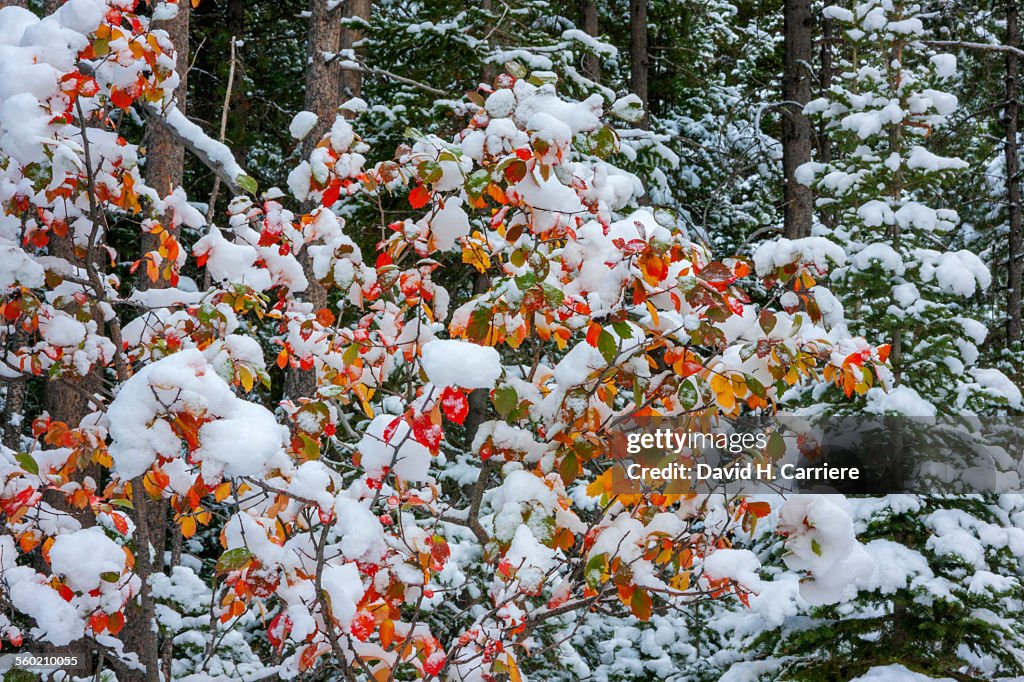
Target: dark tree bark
x,y
165,155
639,60
825,75
352,81
14,3
1012,153
592,27
324,94
796,129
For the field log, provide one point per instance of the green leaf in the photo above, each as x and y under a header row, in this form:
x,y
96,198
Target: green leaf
x,y
595,569
27,463
516,68
110,576
606,344
623,329
815,546
429,171
505,400
247,183
688,394
776,446
553,295
477,183
569,468
606,142
233,559
479,324
756,387
526,280
121,502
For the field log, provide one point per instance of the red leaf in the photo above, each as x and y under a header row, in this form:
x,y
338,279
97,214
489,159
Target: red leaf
x,y
362,625
419,197
390,429
384,259
332,192
278,630
120,524
426,432
120,98
454,404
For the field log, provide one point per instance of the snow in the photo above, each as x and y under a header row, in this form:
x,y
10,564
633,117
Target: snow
x,y
821,541
816,251
449,224
629,108
899,400
945,65
343,586
738,565
302,124
57,621
401,452
921,158
896,673
241,438
461,363
218,152
998,384
84,556
960,273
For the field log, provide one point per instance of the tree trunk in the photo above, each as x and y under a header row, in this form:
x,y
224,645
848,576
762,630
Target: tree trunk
x,y
825,74
796,129
14,405
352,81
165,169
638,58
592,27
50,6
323,97
165,156
14,3
1012,151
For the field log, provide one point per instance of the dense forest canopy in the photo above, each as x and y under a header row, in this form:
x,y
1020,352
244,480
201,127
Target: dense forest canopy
x,y
321,321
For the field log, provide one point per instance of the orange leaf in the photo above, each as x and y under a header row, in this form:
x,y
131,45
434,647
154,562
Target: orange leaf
x,y
759,509
883,352
115,622
419,197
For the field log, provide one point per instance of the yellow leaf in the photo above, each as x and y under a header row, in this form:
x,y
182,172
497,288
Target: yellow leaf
x,y
222,491
245,376
474,254
188,526
513,669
